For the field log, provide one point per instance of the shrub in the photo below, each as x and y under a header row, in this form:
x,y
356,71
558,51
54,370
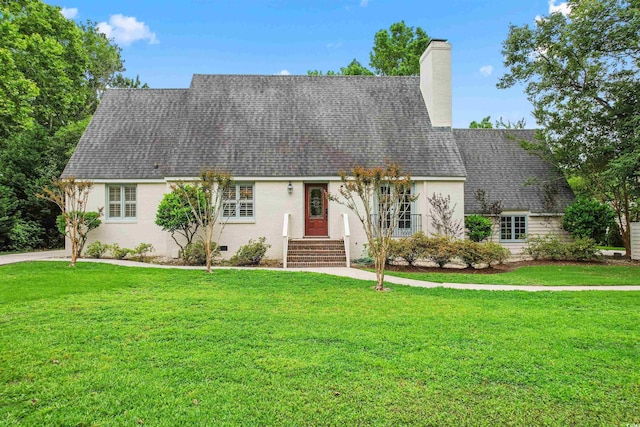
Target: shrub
x,y
588,218
409,249
25,235
194,253
96,250
582,250
550,247
478,227
495,253
440,250
117,252
251,253
142,250
470,252
88,221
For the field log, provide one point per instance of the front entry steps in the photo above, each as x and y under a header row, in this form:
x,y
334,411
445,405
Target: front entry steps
x,y
316,253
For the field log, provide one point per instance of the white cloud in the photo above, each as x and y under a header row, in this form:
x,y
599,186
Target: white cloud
x,y
284,73
125,30
334,45
364,3
69,12
486,70
563,8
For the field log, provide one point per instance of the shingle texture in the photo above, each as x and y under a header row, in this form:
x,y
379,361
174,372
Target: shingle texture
x,y
265,126
130,135
496,163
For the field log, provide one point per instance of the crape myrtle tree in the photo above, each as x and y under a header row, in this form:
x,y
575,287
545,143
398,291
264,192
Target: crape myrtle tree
x,y
581,72
378,197
205,199
71,196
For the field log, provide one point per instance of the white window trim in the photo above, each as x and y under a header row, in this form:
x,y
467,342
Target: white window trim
x,y
121,218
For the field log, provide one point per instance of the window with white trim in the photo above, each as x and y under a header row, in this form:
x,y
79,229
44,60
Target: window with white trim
x,y
122,201
513,228
238,201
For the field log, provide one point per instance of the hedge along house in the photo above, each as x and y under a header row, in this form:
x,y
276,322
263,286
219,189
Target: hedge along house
x,y
284,139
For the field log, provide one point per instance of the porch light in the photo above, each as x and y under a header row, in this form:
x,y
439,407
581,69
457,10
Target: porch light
x,y
290,188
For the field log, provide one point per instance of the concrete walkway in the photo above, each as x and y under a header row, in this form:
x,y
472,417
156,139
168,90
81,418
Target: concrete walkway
x,y
353,273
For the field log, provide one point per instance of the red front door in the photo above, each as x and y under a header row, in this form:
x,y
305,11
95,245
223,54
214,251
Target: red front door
x,y
315,210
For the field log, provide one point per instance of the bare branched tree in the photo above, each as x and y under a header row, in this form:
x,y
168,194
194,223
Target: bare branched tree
x,y
442,216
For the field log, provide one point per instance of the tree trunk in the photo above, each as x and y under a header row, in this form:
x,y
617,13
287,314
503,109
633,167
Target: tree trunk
x,y
379,261
207,249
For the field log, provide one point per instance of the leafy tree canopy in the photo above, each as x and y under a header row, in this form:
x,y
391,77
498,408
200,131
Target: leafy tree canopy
x,y
581,72
395,52
53,72
485,123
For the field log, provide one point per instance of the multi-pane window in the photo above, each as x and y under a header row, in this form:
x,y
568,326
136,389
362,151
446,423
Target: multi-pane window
x,y
403,211
238,201
121,201
513,227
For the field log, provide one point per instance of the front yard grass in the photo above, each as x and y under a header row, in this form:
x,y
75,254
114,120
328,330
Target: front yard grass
x,y
108,345
544,275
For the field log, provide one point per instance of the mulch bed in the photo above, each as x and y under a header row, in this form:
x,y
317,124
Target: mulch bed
x,y
503,268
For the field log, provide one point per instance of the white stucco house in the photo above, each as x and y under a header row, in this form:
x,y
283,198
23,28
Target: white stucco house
x,y
285,138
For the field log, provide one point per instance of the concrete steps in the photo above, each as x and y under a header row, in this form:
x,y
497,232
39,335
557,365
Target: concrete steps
x,y
316,253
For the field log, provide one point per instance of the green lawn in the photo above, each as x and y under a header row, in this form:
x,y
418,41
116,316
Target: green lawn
x,y
111,346
546,275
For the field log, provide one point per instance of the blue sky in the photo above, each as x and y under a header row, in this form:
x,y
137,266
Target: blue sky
x,y
166,42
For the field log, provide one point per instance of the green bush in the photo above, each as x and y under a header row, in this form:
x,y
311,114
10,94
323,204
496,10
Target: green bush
x,y
470,252
194,254
142,250
410,249
25,235
495,253
96,250
117,252
478,227
588,218
550,247
440,249
251,253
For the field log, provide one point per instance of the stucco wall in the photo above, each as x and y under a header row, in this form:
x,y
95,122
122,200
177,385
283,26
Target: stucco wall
x,y
129,234
453,188
272,201
635,240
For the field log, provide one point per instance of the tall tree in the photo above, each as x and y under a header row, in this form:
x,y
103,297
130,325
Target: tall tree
x,y
397,51
52,74
582,75
354,68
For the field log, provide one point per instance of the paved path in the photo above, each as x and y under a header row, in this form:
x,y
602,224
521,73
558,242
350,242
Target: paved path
x,y
334,271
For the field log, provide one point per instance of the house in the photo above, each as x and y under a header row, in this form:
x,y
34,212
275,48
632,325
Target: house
x,y
284,139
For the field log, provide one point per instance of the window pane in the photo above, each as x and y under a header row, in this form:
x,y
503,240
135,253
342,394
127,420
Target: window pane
x,y
130,194
229,209
114,194
316,203
114,210
520,229
130,210
246,209
246,192
229,193
505,228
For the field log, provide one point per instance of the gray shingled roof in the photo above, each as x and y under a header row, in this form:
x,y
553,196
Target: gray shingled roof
x,y
497,163
130,133
265,126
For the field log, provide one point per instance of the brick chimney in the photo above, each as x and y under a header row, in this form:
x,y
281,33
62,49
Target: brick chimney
x,y
435,82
